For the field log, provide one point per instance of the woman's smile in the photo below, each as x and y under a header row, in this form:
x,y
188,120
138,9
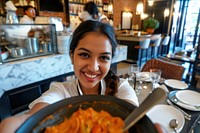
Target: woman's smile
x,y
90,76
92,59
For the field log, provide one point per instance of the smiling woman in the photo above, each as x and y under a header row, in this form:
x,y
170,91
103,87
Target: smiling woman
x,y
92,48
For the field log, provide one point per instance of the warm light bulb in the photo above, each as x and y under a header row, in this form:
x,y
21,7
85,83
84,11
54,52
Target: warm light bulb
x,y
150,2
166,12
139,8
110,9
143,16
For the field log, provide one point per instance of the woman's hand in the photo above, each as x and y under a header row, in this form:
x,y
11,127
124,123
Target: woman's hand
x,y
11,124
160,128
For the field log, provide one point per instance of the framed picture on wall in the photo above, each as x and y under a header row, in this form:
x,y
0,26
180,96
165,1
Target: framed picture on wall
x,y
126,20
51,5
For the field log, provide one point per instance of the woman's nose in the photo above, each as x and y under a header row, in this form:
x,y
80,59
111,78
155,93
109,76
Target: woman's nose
x,y
93,65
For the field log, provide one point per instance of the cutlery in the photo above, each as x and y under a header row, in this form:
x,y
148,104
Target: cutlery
x,y
155,97
173,124
186,115
194,124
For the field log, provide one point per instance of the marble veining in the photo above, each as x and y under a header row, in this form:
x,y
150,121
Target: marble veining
x,y
19,73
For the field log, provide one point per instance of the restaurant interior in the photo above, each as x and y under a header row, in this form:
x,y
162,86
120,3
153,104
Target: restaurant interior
x,y
152,35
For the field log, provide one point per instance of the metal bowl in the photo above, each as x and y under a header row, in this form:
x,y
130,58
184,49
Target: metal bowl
x,y
55,113
17,52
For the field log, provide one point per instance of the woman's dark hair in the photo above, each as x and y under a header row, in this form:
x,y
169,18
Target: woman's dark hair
x,y
92,9
111,79
25,8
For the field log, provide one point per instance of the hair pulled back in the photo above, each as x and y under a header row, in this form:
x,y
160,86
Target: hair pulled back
x,y
111,79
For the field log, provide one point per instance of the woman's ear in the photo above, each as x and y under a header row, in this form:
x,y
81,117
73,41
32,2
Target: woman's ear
x,y
72,59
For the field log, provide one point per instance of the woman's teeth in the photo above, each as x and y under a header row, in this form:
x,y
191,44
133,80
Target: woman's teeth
x,y
90,76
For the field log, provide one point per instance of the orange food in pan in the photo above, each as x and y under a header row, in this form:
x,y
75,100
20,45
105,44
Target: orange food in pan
x,y
88,121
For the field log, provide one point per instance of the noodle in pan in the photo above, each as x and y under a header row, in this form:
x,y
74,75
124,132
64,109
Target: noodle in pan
x,y
88,121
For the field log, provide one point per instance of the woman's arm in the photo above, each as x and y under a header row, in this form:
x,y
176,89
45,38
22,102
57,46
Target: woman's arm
x,y
10,124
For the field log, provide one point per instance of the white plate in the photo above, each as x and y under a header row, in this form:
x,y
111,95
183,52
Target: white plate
x,y
189,97
176,84
162,114
174,99
144,75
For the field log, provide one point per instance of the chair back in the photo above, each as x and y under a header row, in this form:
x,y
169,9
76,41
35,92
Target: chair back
x,y
145,44
166,40
157,42
169,70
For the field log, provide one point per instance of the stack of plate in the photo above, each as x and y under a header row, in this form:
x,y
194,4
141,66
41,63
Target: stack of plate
x,y
187,99
63,44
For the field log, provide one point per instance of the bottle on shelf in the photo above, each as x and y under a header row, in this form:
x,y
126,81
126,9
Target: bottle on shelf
x,y
21,3
25,3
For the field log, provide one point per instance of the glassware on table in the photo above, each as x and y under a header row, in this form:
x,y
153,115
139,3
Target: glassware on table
x,y
140,79
155,75
133,70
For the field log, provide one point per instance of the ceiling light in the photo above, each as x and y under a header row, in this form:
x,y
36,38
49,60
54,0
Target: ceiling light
x,y
150,2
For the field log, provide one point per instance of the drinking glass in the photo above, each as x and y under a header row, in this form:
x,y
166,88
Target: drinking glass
x,y
155,75
133,70
140,78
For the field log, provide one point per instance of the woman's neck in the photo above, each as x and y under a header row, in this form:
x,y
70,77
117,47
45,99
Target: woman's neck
x,y
95,90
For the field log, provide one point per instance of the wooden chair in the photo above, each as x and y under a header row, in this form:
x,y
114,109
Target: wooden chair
x,y
144,45
169,70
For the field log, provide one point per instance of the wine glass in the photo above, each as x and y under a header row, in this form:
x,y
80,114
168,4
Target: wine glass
x,y
155,75
133,70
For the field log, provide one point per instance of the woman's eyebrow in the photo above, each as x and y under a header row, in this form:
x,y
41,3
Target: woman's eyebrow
x,y
107,53
90,51
84,49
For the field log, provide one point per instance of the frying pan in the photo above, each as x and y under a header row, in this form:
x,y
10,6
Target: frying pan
x,y
55,113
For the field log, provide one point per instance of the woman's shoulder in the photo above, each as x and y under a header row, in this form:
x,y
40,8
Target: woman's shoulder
x,y
65,84
122,81
67,87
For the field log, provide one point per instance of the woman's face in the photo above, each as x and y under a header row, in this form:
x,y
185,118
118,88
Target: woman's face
x,y
92,59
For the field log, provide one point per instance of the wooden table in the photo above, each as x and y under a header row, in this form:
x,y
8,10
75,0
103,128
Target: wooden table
x,y
183,58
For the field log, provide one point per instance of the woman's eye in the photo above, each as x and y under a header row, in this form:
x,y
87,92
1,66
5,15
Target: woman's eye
x,y
84,55
105,58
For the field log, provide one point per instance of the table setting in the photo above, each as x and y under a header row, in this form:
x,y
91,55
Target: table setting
x,y
180,111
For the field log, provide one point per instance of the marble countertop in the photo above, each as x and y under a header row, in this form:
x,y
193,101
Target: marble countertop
x,y
20,73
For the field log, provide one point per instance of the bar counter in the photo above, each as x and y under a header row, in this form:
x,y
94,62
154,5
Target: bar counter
x,y
134,40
